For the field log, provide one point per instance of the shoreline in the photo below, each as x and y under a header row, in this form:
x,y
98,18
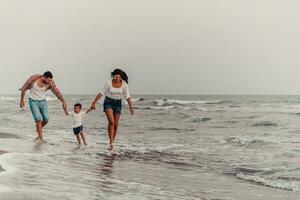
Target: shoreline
x,y
6,136
2,152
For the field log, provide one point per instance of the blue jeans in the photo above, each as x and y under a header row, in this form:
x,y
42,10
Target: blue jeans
x,y
39,109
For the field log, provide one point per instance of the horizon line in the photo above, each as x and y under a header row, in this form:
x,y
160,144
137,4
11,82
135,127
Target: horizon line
x,y
86,94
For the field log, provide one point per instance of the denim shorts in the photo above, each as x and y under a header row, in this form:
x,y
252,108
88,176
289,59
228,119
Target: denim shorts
x,y
39,109
77,130
114,104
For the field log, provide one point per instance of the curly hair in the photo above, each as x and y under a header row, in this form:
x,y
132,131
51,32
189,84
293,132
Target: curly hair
x,y
121,73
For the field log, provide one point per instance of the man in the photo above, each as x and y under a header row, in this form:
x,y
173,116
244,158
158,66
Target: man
x,y
38,86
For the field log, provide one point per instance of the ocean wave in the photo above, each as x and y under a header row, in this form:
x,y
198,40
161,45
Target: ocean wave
x,y
138,99
6,98
187,108
199,119
170,129
48,98
164,129
292,185
234,106
155,107
168,102
135,100
202,109
245,141
265,124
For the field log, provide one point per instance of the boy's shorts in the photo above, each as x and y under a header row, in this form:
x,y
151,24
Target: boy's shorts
x,y
77,130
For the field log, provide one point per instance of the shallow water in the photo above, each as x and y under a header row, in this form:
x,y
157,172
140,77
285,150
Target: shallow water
x,y
175,147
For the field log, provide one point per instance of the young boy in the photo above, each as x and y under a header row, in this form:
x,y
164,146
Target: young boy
x,y
77,115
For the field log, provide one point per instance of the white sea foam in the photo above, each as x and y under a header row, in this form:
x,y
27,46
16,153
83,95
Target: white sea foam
x,y
6,98
187,108
275,183
168,102
137,99
9,98
9,169
155,107
4,189
51,98
162,107
246,140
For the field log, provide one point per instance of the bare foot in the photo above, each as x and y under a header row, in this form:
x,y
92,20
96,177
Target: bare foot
x,y
40,141
110,147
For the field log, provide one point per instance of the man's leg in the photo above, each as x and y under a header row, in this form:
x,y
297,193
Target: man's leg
x,y
39,130
35,110
44,123
44,112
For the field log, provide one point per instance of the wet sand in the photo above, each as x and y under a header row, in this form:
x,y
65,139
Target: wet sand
x,y
7,136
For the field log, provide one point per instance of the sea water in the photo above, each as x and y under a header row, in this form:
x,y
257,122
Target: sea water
x,y
174,147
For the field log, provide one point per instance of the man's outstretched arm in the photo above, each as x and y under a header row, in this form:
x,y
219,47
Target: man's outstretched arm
x,y
58,94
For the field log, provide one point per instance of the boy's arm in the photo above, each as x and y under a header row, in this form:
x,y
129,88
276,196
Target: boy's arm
x,y
67,113
89,110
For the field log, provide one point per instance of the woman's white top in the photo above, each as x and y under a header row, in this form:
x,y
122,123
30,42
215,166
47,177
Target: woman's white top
x,y
115,93
38,93
77,118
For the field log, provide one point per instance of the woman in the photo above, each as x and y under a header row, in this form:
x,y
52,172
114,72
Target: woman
x,y
114,90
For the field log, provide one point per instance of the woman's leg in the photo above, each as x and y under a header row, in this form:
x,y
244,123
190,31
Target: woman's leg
x,y
116,119
111,124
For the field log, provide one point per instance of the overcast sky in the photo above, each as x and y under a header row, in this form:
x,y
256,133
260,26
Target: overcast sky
x,y
165,46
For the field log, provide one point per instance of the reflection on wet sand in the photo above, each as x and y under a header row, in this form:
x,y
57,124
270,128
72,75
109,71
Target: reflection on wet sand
x,y
106,171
